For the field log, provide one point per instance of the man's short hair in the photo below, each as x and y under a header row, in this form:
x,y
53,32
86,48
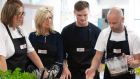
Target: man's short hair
x,y
80,5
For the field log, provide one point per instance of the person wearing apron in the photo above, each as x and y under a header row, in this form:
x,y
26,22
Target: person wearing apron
x,y
113,48
46,41
80,49
20,46
121,48
15,46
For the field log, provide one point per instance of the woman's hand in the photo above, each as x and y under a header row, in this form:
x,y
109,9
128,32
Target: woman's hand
x,y
45,74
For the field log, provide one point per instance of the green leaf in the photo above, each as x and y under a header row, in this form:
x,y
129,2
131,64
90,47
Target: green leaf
x,y
137,70
17,74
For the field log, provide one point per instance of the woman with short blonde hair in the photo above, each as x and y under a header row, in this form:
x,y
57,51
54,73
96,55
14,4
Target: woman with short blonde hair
x,y
46,41
43,14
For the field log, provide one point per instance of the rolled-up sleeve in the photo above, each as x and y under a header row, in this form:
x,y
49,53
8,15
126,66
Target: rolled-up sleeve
x,y
100,44
29,46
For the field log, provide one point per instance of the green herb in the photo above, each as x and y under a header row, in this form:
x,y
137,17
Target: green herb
x,y
17,74
137,71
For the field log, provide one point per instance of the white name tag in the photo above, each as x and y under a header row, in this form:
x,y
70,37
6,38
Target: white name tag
x,y
23,46
42,51
80,49
117,50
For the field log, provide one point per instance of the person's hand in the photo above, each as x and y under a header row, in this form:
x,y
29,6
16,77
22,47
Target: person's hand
x,y
90,73
132,62
130,59
45,76
43,73
66,74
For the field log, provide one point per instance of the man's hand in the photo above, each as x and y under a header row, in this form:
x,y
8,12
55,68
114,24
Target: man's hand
x,y
132,61
90,73
66,74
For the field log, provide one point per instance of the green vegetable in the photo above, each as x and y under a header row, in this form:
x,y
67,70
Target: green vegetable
x,y
137,71
17,74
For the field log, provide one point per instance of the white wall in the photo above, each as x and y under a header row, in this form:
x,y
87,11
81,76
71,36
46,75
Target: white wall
x,y
135,15
63,12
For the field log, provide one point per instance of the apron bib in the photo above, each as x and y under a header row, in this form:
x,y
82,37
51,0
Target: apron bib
x,y
19,59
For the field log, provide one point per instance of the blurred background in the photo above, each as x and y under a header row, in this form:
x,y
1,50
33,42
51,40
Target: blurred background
x,y
63,12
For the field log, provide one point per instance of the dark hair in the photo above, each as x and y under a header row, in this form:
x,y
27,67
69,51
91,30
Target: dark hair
x,y
10,9
80,5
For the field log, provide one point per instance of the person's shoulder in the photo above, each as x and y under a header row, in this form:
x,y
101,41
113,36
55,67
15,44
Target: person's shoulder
x,y
54,32
2,26
69,26
94,26
131,32
32,34
106,30
130,29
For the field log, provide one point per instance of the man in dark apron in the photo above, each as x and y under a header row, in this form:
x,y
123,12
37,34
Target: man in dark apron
x,y
116,49
119,43
79,49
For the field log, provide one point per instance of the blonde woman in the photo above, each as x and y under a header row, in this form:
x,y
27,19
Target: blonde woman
x,y
46,41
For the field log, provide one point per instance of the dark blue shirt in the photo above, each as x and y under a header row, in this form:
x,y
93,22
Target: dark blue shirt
x,y
52,43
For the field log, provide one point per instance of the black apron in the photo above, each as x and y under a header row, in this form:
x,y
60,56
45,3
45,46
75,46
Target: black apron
x,y
19,58
81,59
124,46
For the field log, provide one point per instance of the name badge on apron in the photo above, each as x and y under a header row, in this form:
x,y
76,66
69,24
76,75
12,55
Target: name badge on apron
x,y
42,51
80,49
23,46
117,50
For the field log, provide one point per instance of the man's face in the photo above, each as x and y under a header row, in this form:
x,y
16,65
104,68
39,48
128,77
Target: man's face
x,y
115,22
82,17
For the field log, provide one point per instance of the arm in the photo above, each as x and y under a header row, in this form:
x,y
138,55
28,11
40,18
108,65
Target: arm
x,y
60,51
36,60
134,59
90,72
3,65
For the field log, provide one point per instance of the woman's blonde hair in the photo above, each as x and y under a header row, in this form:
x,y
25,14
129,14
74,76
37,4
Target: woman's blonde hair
x,y
40,17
